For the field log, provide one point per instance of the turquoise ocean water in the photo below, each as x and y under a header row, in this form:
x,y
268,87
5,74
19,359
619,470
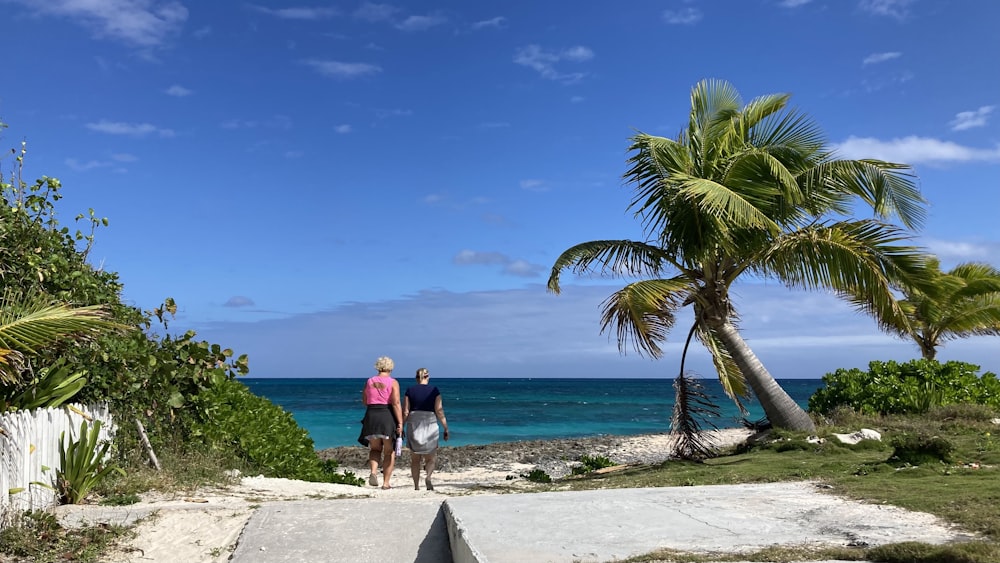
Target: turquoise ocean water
x,y
484,411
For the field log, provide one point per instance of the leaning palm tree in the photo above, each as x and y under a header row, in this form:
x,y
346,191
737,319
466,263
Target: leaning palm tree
x,y
749,190
963,302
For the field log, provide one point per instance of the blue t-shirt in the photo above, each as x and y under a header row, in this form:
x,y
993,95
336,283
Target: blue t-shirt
x,y
422,397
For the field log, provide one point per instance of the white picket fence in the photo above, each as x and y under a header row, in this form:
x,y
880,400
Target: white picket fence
x,y
29,452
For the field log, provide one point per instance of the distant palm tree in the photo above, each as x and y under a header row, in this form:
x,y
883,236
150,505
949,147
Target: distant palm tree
x,y
749,191
962,303
30,323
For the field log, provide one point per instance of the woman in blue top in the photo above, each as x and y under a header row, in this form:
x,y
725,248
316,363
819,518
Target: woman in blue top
x,y
422,411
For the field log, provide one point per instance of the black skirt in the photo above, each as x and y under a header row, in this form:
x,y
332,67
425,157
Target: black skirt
x,y
378,422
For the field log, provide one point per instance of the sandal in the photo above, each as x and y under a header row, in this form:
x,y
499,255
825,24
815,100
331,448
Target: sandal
x,y
373,479
430,486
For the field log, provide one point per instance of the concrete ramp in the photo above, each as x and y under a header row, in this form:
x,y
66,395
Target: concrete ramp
x,y
346,530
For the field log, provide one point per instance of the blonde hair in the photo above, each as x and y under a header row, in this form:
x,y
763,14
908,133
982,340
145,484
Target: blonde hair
x,y
385,364
422,372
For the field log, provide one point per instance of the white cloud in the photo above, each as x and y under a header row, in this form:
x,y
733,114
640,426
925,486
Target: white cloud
x,y
397,112
487,333
914,150
533,185
954,252
124,157
343,128
793,3
498,22
534,57
494,125
970,119
687,16
202,32
898,9
340,69
511,266
372,12
577,99
131,129
420,23
144,23
876,58
79,166
179,91
297,13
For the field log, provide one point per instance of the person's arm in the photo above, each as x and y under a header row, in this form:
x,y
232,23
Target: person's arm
x,y
439,412
406,407
394,400
364,396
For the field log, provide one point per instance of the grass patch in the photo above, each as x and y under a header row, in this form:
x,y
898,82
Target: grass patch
x,y
38,537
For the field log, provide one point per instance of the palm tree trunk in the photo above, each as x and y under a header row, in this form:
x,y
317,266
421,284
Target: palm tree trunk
x,y
781,410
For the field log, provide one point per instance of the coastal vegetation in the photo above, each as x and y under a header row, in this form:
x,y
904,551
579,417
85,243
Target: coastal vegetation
x,y
751,190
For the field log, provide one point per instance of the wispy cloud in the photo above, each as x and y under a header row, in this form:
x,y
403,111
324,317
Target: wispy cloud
x,y
130,129
237,301
510,266
544,62
954,252
971,119
914,150
396,112
343,128
372,12
876,58
274,122
297,13
498,22
686,16
898,9
421,23
143,23
83,166
178,91
340,69
793,3
533,185
494,125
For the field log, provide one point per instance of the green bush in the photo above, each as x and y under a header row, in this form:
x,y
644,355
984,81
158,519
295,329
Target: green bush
x,y
262,434
906,388
83,464
588,464
538,476
918,449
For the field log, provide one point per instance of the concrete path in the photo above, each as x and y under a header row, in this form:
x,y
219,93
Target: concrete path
x,y
585,526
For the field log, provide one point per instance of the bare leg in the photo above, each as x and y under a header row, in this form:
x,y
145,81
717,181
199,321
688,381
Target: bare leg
x,y
373,459
415,470
388,461
429,460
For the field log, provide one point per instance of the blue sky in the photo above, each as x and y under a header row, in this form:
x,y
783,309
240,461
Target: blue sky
x,y
320,183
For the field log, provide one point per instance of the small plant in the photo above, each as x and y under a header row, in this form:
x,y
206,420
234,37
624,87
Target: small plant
x,y
538,476
82,464
38,536
589,464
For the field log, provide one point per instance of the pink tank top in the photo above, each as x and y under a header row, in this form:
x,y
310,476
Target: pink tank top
x,y
378,389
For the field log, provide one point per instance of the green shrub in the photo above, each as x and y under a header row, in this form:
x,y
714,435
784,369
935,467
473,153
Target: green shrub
x,y
261,434
918,449
588,464
908,388
538,476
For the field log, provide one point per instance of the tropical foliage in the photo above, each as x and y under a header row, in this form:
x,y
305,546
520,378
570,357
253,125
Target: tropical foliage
x,y
964,302
74,316
750,190
83,464
906,388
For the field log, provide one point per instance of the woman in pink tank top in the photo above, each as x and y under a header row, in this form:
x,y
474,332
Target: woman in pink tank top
x,y
383,421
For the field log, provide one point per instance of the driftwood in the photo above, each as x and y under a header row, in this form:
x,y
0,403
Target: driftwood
x,y
149,447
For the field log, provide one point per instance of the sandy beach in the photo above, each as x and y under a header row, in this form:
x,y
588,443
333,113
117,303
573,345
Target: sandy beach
x,y
204,526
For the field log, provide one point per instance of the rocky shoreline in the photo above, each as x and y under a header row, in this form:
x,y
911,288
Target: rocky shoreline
x,y
555,457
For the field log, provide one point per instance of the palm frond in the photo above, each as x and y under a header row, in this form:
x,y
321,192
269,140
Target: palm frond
x,y
729,207
692,407
733,382
610,258
642,313
888,188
